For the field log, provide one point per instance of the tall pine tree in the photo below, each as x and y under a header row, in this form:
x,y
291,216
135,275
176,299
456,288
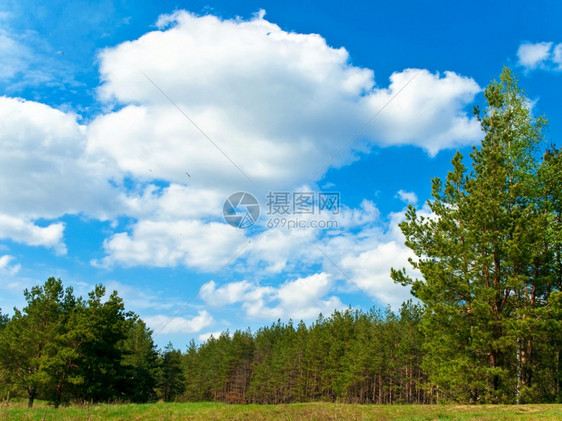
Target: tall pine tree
x,y
486,258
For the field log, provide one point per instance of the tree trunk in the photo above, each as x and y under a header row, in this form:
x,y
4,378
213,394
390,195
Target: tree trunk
x,y
519,371
31,397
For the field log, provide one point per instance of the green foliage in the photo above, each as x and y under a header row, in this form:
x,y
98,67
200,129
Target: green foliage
x,y
140,362
172,380
64,349
489,256
350,356
4,319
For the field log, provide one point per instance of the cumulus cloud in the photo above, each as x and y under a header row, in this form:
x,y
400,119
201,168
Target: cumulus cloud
x,y
367,258
370,270
305,298
272,100
557,55
26,232
278,250
289,248
163,324
46,173
171,243
532,55
407,197
204,337
7,267
44,170
540,55
302,298
230,293
429,113
175,202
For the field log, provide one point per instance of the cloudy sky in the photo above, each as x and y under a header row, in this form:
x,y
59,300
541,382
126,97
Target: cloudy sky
x,y
126,125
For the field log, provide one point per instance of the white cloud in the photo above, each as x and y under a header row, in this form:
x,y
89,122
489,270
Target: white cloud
x,y
43,167
367,258
278,250
204,337
429,113
540,55
171,243
557,55
175,202
272,100
179,324
370,270
25,232
302,298
167,239
285,249
407,197
139,299
232,292
532,55
46,173
7,267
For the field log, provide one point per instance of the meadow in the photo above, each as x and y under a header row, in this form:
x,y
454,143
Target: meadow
x,y
306,411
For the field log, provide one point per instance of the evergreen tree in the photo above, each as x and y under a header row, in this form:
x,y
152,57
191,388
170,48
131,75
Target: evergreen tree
x,y
191,368
62,356
27,341
61,349
4,319
102,327
172,379
484,257
140,361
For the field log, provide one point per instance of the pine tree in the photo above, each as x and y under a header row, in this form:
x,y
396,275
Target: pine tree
x,y
140,362
101,327
4,319
483,257
172,379
26,343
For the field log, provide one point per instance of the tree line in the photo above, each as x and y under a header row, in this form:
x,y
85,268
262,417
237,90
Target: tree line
x,y
487,326
351,356
65,349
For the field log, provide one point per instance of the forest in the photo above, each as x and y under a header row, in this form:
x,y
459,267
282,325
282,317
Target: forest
x,y
63,349
485,325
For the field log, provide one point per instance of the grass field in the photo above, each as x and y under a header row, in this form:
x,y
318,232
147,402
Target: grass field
x,y
307,411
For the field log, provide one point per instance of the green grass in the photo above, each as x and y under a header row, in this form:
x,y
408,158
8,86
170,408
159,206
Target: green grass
x,y
307,411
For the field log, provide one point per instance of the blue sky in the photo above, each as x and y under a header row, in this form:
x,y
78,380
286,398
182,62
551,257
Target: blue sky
x,y
124,126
